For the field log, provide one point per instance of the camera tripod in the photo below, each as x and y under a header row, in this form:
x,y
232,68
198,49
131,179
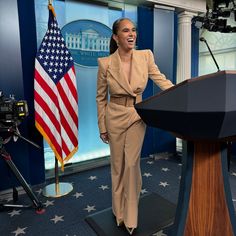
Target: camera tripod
x,y
7,158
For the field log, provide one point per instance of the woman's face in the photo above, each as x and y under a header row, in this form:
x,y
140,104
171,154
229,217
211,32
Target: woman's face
x,y
126,35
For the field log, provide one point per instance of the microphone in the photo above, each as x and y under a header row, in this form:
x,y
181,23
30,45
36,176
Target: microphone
x,y
202,39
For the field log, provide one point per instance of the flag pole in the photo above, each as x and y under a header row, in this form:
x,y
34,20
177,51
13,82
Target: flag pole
x,y
57,189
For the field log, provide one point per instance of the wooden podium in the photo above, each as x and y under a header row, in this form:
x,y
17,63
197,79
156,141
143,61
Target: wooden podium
x,y
201,111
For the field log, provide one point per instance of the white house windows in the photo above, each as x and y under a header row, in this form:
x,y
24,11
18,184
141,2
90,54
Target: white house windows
x,y
87,40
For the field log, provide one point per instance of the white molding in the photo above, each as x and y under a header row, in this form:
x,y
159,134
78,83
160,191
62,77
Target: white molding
x,y
164,7
189,5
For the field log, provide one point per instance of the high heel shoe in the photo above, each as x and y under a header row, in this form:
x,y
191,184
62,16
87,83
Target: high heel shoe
x,y
119,222
130,230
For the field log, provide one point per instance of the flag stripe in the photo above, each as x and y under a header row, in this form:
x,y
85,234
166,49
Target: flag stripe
x,y
49,131
72,137
66,103
72,84
48,123
45,109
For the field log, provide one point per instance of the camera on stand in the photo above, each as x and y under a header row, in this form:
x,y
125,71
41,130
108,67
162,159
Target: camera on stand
x,y
12,112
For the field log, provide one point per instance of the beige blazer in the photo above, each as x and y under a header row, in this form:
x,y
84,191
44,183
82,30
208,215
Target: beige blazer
x,y
112,80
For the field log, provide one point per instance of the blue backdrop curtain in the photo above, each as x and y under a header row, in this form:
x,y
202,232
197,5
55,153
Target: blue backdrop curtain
x,y
159,35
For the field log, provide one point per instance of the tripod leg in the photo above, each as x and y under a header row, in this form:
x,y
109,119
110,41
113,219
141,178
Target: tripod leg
x,y
22,181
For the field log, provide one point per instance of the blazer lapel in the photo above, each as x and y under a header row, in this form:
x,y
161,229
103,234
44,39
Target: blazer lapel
x,y
136,70
115,70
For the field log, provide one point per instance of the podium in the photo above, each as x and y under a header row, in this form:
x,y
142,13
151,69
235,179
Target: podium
x,y
201,111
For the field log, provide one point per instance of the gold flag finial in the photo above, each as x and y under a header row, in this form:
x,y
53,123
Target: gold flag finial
x,y
50,7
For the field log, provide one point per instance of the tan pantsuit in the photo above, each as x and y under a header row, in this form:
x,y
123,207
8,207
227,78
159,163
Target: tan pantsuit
x,y
124,126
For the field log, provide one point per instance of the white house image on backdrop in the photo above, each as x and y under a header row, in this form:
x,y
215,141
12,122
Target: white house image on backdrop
x,y
87,40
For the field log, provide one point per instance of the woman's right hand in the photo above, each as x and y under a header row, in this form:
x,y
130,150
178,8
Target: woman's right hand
x,y
104,137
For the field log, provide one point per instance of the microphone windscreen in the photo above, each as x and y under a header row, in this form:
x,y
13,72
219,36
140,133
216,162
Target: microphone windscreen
x,y
202,39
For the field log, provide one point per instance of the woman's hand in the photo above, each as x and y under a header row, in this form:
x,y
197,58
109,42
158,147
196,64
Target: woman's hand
x,y
104,137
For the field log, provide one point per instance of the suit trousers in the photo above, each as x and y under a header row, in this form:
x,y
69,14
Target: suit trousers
x,y
125,172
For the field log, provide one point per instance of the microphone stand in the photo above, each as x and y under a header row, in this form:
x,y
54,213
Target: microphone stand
x,y
229,143
204,40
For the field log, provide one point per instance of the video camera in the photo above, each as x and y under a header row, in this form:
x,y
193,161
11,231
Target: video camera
x,y
12,112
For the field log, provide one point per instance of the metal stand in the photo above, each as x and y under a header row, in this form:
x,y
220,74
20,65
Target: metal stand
x,y
38,205
57,189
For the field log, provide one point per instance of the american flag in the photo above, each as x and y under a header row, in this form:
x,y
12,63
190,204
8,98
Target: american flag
x,y
55,93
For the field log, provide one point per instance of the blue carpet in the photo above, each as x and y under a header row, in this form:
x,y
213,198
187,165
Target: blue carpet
x,y
65,216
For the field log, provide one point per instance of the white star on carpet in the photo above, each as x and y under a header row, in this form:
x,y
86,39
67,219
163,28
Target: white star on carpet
x,y
77,195
48,203
57,219
233,173
147,175
164,184
159,233
180,164
19,231
103,187
165,169
234,200
39,191
90,208
14,213
144,191
150,162
9,199
93,177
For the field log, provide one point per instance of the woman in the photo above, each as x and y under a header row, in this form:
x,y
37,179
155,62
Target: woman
x,y
124,75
